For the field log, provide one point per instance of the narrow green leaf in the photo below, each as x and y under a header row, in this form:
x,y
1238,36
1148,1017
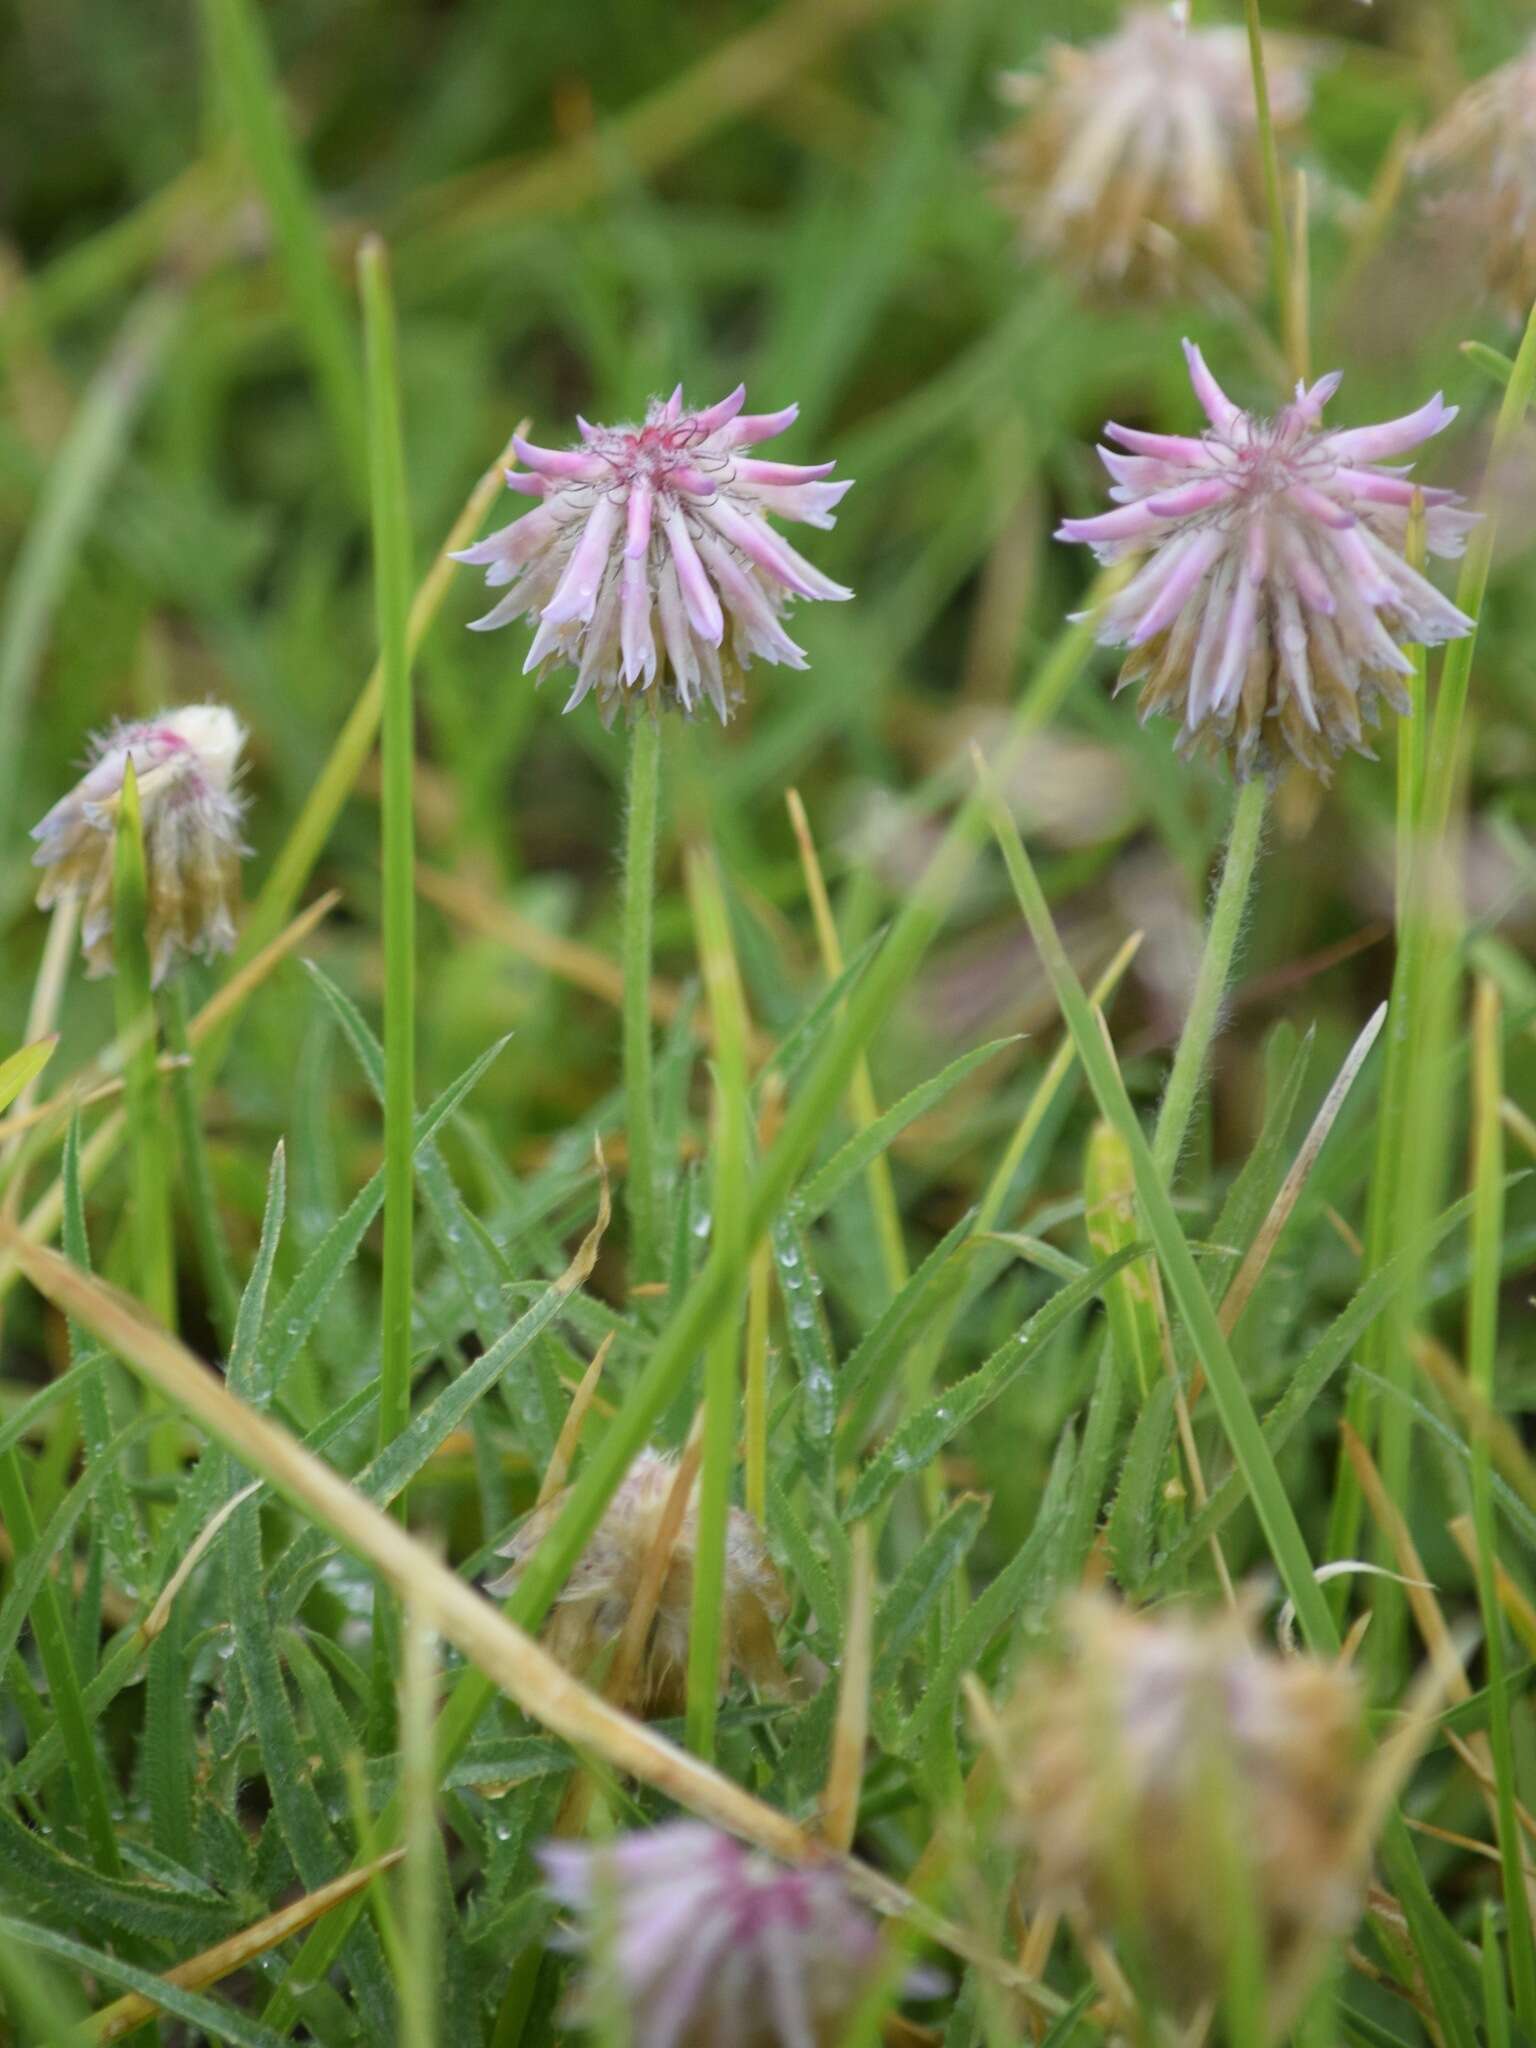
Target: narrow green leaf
x,y
921,1436
823,1188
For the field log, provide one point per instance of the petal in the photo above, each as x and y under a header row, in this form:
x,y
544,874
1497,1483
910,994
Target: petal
x,y
770,551
637,643
718,416
805,504
703,606
1126,522
750,470
1189,498
576,593
1176,448
1193,556
1377,489
1214,402
579,463
1392,437
748,428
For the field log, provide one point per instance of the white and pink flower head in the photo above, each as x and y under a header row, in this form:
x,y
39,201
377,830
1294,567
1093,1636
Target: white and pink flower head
x,y
703,1941
186,762
1275,601
650,560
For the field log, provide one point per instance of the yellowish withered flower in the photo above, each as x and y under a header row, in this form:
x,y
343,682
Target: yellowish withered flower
x,y
1135,166
590,1615
1482,159
186,763
1172,1776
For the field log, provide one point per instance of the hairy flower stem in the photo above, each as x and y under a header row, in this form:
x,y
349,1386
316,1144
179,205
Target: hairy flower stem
x,y
202,1207
1200,1026
641,822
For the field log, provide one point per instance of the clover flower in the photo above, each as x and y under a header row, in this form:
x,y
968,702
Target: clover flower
x,y
1270,611
704,1941
1484,154
1163,1768
186,762
594,1605
1137,159
650,558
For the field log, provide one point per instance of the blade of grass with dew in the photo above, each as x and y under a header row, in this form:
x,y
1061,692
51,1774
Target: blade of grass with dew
x,y
202,1210
708,1626
507,1657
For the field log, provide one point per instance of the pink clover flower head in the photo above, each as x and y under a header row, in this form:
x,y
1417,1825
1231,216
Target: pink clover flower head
x,y
650,560
706,1941
186,763
1135,165
1273,604
1482,158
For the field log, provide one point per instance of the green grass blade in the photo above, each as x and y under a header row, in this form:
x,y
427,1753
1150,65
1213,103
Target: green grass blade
x,y
251,95
1251,1453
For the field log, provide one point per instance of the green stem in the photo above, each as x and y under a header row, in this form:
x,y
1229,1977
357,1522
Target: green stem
x,y
153,1257
1482,1341
201,1202
1200,1026
392,573
643,809
1410,1157
727,1009
1276,1515
1279,239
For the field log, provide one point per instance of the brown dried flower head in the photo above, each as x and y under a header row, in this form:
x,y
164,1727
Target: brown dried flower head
x,y
590,1614
1136,162
1168,1770
1481,158
186,762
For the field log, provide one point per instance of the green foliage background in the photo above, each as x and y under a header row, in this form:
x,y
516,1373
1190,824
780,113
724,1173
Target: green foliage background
x,y
583,205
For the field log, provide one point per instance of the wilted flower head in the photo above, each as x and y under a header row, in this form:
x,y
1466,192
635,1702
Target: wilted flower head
x,y
595,1603
1270,612
650,557
1157,1765
185,762
1483,154
1137,157
704,1942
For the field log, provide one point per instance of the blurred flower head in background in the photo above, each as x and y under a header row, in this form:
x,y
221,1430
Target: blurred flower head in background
x,y
650,558
1270,612
597,1599
1136,164
186,762
1480,162
703,1941
1165,1767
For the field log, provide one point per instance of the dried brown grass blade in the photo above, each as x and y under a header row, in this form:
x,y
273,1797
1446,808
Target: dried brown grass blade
x,y
113,2021
850,1735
